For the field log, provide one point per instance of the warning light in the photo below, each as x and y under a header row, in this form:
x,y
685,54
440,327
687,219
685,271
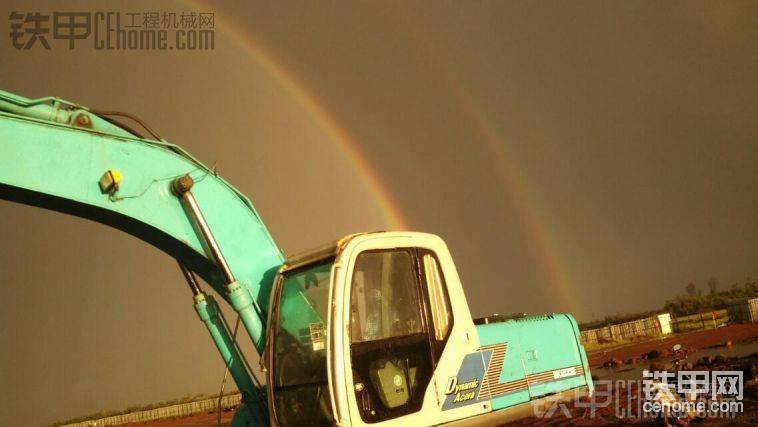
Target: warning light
x,y
110,181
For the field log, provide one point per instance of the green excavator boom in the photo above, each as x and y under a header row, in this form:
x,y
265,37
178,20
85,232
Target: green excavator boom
x,y
62,156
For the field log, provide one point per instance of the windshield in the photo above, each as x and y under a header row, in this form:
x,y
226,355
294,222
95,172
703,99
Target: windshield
x,y
299,363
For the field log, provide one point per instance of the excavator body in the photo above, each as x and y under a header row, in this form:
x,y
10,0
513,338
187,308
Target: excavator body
x,y
373,329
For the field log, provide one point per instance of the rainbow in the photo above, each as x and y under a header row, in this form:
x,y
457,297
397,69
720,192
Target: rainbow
x,y
388,207
537,230
535,224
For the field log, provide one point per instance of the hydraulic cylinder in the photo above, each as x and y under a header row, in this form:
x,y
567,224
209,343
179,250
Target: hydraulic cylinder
x,y
208,311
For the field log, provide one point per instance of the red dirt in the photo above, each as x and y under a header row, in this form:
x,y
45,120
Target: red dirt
x,y
690,340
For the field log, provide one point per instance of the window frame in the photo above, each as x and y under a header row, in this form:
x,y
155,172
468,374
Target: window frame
x,y
439,299
438,346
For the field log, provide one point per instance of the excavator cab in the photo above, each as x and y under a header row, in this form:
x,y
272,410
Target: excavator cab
x,y
358,328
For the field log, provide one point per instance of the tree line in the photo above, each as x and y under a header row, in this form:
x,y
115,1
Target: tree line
x,y
694,300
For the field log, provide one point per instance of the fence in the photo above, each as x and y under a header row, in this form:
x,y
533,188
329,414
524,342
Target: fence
x,y
744,311
179,410
646,327
705,320
741,311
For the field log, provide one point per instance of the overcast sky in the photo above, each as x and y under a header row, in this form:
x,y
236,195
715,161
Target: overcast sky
x,y
589,157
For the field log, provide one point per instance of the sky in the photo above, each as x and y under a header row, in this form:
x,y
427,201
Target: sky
x,y
586,157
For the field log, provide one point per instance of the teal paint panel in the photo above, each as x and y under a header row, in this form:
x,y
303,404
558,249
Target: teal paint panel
x,y
497,333
556,386
510,399
548,342
509,333
537,346
512,370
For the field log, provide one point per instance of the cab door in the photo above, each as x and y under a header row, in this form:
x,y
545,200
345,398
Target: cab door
x,y
404,332
391,354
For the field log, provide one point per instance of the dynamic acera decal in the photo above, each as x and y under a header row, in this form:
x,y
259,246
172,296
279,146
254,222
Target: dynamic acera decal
x,y
463,389
478,378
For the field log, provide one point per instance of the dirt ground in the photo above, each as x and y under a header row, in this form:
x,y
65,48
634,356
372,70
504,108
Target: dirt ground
x,y
199,420
691,340
615,359
703,350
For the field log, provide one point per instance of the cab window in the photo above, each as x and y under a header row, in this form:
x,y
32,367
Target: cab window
x,y
385,299
299,380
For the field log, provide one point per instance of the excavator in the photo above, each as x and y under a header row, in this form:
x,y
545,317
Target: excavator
x,y
371,329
